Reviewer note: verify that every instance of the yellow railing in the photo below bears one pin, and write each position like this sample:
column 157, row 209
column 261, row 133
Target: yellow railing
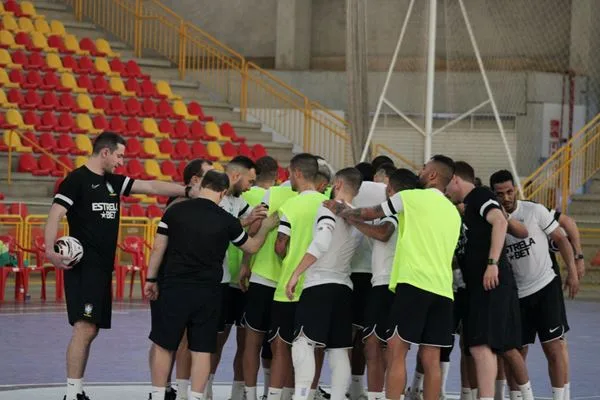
column 400, row 161
column 26, row 142
column 154, row 29
column 567, row 170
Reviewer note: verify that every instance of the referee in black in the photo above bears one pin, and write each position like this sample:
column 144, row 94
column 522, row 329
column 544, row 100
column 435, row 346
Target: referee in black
column 90, row 198
column 193, row 236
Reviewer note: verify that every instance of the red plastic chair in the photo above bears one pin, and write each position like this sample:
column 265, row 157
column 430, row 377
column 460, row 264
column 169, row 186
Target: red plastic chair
column 182, row 151
column 180, row 130
column 37, row 61
column 116, row 65
column 244, row 150
column 166, row 146
column 19, row 270
column 199, row 151
column 66, row 102
column 47, row 142
column 148, row 108
column 57, row 42
column 132, row 85
column 100, row 102
column 24, row 39
column 132, row 107
column 31, row 140
column 197, row 131
column 48, row 102
column 148, row 89
column 133, row 128
column 19, row 57
column 132, row 70
column 84, row 82
column 164, row 126
column 168, row 168
column 229, row 150
column 164, row 109
column 51, row 82
column 115, row 106
column 89, row 45
column 135, row 170
column 15, row 96
column 27, row 163
column 66, row 123
column 16, row 76
column 100, row 122
column 70, row 62
column 195, row 108
column 33, row 80
column 47, row 122
column 39, row 249
column 19, row 209
column 46, row 166
column 154, row 211
column 116, row 125
column 133, row 148
column 136, row 210
column 13, row 7
column 228, row 131
column 86, row 66
column 258, row 150
column 135, row 247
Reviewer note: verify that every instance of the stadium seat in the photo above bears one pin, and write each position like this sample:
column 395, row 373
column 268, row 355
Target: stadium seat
column 13, row 117
column 282, row 174
column 27, row 163
column 28, row 10
column 84, row 102
column 80, row 161
column 86, row 66
column 84, row 122
column 13, row 7
column 164, row 109
column 67, row 167
column 117, row 125
column 72, row 45
column 67, row 81
column 100, row 86
column 181, row 151
column 88, row 44
column 66, row 123
column 180, row 110
column 5, row 124
column 26, row 25
column 150, row 147
column 133, row 148
column 48, row 142
column 165, row 127
column 70, row 63
column 57, row 43
column 132, row 70
column 133, row 107
column 103, row 66
column 15, row 99
column 228, row 131
column 42, row 26
column 196, row 110
column 24, row 40
column 165, row 146
column 37, row 61
column 197, row 131
column 212, row 129
column 10, row 23
column 67, row 103
column 153, row 211
column 45, row 166
column 100, row 123
column 148, row 108
column 6, row 61
column 180, row 130
column 181, row 167
column 38, row 42
column 229, row 150
column 101, row 103
column 136, row 210
column 117, row 85
column 16, row 77
column 4, row 103
column 104, row 49
column 5, row 79
column 135, row 170
column 7, row 40
column 57, row 28
column 164, row 90
column 48, row 122
column 149, row 90
column 116, row 106
column 132, row 127
column 54, row 62
column 66, row 143
column 132, row 85
column 152, row 168
column 31, row 118
column 258, row 151
column 200, row 151
column 29, row 139
column 244, row 150
column 215, row 150
column 84, row 144
column 150, row 126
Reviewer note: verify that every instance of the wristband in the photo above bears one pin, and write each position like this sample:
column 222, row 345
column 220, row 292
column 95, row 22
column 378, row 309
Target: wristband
column 151, row 280
column 579, row 257
column 187, row 192
column 491, row 261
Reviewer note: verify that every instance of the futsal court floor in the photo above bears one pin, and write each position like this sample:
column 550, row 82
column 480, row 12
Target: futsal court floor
column 34, row 336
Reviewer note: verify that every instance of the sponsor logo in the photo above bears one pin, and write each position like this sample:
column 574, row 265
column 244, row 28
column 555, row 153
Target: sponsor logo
column 554, row 330
column 107, row 210
column 87, row 310
column 95, row 186
column 520, row 249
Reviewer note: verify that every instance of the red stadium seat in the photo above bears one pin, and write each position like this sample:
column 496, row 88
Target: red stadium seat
column 229, row 150
column 37, row 61
column 45, row 166
column 31, row 118
column 197, row 131
column 100, row 122
column 199, row 151
column 154, row 211
column 19, row 209
column 165, row 146
column 135, row 170
column 148, row 108
column 164, row 126
column 47, row 122
column 228, row 131
column 19, row 57
column 68, row 163
column 24, row 39
column 100, row 102
column 16, row 76
column 196, row 109
column 33, row 80
column 66, row 102
column 32, row 141
column 15, row 96
column 181, row 130
column 57, row 42
column 244, row 150
column 66, row 123
column 258, row 151
column 47, row 142
column 101, row 86
column 168, row 168
column 116, row 65
column 115, row 106
column 132, row 69
column 48, row 102
column 86, row 66
column 89, row 45
column 182, row 151
column 164, row 109
column 136, row 210
column 13, row 7
column 70, row 62
column 84, row 82
column 149, row 90
column 66, row 143
column 116, row 125
column 133, row 127
column 132, row 85
column 27, row 163
column 51, row 81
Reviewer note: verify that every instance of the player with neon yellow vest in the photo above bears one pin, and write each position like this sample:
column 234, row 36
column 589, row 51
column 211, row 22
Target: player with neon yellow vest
column 429, row 227
column 294, row 236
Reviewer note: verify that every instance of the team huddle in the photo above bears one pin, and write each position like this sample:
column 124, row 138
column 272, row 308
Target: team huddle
column 358, row 264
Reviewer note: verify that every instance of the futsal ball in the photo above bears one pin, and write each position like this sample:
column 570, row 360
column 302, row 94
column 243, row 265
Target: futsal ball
column 70, row 247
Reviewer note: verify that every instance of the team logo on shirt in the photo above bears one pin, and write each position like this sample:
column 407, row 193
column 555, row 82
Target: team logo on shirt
column 107, row 210
column 111, row 191
column 520, row 249
column 87, row 310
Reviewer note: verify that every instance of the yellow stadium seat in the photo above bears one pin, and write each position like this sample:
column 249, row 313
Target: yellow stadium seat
column 145, row 199
column 152, row 168
column 53, row 60
column 218, row 166
column 10, row 23
column 80, row 161
column 4, row 103
column 102, row 65
column 29, row 9
column 57, row 28
column 151, row 147
column 39, row 41
column 150, row 126
column 3, row 11
column 8, row 40
column 6, row 60
column 14, row 117
column 103, row 46
column 84, row 101
column 214, row 149
column 26, row 25
column 162, row 87
column 85, row 122
column 68, row 80
column 72, row 44
column 84, row 143
column 212, row 129
column 42, row 26
column 179, row 108
column 5, row 81
column 14, row 140
column 117, row 85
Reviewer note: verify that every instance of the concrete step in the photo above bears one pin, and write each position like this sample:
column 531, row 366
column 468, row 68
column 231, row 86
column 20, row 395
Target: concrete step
column 595, row 184
column 25, row 185
column 49, row 6
column 585, row 204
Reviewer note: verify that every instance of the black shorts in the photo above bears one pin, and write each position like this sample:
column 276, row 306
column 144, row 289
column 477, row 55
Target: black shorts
column 188, row 307
column 460, row 308
column 542, row 314
column 493, row 318
column 361, row 286
column 379, row 304
column 556, row 269
column 233, row 301
column 265, row 351
column 283, row 316
column 257, row 313
column 88, row 293
column 324, row 315
column 421, row 317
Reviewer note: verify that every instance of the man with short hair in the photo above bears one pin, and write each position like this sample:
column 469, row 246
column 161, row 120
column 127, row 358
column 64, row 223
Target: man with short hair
column 492, row 322
column 293, row 238
column 384, row 172
column 378, row 161
column 538, row 285
column 324, row 315
column 194, row 236
column 90, row 198
column 421, row 276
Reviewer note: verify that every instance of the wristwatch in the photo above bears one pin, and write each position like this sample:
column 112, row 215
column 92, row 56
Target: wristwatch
column 579, row 257
column 187, row 191
column 151, row 280
column 491, row 261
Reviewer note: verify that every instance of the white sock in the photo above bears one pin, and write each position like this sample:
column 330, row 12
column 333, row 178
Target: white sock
column 182, row 389
column 274, row 394
column 158, row 393
column 74, row 387
column 376, row 396
column 417, row 382
column 287, row 393
column 237, row 390
column 499, row 393
column 445, row 369
column 195, row 396
column 487, row 398
column 267, row 375
column 568, row 391
column 558, row 393
column 356, row 387
column 474, row 393
column 311, row 394
column 516, row 395
column 341, row 372
column 208, row 392
column 250, row 392
column 526, row 391
column 465, row 394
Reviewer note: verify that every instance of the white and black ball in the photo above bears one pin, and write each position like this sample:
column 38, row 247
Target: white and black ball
column 70, row 247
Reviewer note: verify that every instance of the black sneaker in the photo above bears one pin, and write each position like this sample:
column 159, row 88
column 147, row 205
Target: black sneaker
column 170, row 394
column 81, row 396
column 322, row 394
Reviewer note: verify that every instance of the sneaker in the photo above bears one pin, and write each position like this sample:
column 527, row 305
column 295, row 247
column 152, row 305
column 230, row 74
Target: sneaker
column 170, row 394
column 321, row 394
column 83, row 396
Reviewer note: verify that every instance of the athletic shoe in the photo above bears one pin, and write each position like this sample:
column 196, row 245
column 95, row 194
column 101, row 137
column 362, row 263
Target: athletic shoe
column 82, row 396
column 321, row 394
column 170, row 394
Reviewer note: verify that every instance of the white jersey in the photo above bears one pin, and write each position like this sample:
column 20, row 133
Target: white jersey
column 383, row 254
column 333, row 248
column 239, row 208
column 530, row 258
column 370, row 194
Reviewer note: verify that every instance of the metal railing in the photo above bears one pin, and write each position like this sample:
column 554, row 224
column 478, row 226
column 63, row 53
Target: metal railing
column 154, row 29
column 400, row 161
column 567, row 170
